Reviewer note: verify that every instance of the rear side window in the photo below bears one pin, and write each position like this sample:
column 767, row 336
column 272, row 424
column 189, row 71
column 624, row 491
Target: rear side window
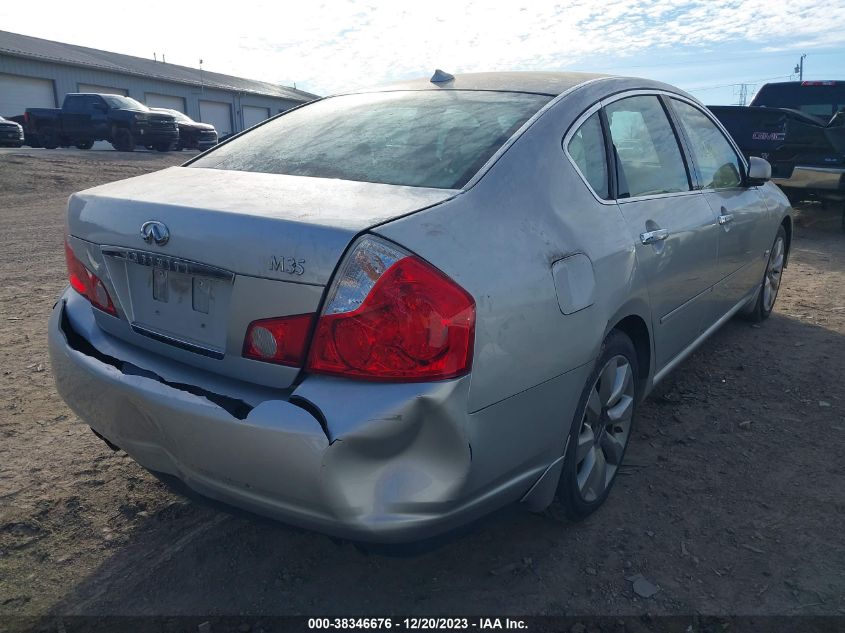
column 419, row 138
column 716, row 163
column 586, row 148
column 648, row 157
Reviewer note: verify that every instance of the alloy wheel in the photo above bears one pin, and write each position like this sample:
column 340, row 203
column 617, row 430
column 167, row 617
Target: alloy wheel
column 605, row 428
column 771, row 280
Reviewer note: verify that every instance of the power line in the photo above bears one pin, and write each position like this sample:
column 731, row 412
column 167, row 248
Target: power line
column 737, row 83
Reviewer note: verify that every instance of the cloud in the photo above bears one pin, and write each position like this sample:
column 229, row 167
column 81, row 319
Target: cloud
column 334, row 46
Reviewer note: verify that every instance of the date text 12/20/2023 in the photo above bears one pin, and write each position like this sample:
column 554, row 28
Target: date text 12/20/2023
column 417, row 623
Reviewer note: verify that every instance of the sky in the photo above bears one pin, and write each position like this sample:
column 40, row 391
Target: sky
column 708, row 47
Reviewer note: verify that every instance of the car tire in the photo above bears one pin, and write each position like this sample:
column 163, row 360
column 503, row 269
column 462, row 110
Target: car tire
column 123, row 140
column 49, row 138
column 85, row 145
column 602, row 428
column 163, row 147
column 770, row 284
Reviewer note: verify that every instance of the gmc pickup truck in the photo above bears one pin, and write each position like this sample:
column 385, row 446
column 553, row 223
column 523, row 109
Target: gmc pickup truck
column 799, row 127
column 85, row 118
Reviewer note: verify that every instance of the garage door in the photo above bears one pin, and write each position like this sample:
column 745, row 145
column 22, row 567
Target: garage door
column 218, row 114
column 19, row 93
column 254, row 115
column 164, row 101
column 103, row 90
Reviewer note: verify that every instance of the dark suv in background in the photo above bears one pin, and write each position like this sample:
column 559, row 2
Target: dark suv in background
column 192, row 134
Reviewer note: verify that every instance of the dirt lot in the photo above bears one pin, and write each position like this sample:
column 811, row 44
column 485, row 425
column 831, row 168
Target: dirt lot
column 732, row 500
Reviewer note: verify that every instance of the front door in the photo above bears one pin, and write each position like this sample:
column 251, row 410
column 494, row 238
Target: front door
column 719, row 174
column 673, row 227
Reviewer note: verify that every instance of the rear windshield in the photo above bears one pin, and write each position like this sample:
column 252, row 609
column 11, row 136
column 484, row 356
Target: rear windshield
column 423, row 139
column 818, row 100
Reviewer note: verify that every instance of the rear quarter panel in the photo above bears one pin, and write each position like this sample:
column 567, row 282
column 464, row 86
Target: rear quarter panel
column 500, row 239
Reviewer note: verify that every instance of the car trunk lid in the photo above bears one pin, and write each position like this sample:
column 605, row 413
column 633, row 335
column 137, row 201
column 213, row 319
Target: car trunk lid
column 192, row 256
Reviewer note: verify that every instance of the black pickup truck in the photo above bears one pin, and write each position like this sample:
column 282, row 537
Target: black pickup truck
column 799, row 127
column 86, row 117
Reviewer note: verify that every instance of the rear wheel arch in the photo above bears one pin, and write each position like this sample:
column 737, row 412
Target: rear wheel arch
column 598, row 437
column 636, row 328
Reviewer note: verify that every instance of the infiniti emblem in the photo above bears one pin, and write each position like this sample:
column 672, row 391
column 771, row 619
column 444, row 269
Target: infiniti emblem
column 155, row 231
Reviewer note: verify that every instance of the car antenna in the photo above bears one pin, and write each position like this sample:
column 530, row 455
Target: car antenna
column 441, row 76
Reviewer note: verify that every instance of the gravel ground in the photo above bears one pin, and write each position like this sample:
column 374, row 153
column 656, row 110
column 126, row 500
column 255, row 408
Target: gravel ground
column 732, row 499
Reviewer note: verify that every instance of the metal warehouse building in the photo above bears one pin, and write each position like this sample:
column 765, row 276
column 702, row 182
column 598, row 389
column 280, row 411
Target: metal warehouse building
column 36, row 73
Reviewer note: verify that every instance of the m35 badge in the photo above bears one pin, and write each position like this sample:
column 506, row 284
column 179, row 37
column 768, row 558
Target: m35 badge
column 289, row 265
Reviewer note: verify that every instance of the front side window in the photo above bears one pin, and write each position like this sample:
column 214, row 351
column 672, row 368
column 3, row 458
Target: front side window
column 716, row 163
column 586, row 147
column 432, row 138
column 649, row 160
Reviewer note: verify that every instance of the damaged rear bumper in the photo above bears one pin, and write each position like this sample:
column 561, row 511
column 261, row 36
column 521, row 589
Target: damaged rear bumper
column 370, row 462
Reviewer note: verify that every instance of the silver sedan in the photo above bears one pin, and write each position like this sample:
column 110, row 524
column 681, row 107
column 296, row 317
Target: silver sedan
column 384, row 314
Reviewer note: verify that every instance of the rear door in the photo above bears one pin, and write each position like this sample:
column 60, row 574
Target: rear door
column 720, row 174
column 672, row 226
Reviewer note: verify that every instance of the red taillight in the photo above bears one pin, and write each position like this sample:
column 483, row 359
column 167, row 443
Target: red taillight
column 394, row 317
column 280, row 341
column 77, row 274
column 87, row 283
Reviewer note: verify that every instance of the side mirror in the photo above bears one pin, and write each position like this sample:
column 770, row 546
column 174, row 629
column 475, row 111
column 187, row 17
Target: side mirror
column 759, row 171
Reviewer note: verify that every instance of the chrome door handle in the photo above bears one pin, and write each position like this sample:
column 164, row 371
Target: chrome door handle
column 651, row 237
column 726, row 218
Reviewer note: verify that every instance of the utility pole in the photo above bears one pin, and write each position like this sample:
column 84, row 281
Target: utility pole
column 202, row 87
column 799, row 67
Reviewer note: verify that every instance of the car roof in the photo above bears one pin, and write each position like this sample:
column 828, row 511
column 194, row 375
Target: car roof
column 549, row 83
